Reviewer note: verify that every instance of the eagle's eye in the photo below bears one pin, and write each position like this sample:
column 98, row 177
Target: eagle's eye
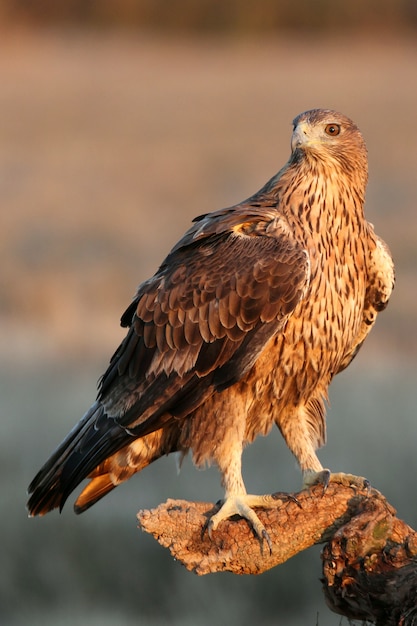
column 332, row 129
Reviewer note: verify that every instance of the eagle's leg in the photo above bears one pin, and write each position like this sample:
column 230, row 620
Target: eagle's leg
column 302, row 440
column 236, row 500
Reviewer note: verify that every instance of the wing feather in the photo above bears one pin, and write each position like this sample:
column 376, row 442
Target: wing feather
column 223, row 291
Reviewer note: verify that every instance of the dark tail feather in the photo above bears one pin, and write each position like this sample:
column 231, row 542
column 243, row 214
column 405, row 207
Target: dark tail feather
column 93, row 439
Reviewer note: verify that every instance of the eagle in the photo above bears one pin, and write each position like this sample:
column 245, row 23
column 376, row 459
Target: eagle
column 243, row 326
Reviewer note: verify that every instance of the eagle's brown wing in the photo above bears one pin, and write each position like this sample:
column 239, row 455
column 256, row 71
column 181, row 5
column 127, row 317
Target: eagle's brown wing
column 227, row 286
column 196, row 327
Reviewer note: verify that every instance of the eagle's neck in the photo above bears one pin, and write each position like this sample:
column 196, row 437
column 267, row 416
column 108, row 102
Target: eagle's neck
column 321, row 197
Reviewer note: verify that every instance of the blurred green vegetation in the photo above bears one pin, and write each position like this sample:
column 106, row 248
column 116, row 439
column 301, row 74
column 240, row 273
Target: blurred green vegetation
column 232, row 16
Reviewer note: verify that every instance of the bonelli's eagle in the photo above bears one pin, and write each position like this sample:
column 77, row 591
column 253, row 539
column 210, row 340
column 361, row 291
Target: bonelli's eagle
column 243, row 326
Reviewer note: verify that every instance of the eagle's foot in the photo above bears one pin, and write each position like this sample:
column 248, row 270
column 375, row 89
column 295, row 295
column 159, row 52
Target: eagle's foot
column 241, row 505
column 350, row 480
column 325, row 477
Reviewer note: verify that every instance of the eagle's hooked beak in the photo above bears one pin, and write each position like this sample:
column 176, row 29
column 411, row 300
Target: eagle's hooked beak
column 299, row 137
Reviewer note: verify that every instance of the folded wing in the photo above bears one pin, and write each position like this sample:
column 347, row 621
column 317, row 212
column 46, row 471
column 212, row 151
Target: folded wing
column 195, row 328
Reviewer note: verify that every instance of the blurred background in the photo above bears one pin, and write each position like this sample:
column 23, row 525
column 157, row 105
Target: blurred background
column 119, row 122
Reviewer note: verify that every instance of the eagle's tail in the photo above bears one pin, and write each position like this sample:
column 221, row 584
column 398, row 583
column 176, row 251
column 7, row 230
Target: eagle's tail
column 89, row 443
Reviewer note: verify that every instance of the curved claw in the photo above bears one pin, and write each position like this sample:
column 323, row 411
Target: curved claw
column 267, row 538
column 317, row 478
column 208, row 526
